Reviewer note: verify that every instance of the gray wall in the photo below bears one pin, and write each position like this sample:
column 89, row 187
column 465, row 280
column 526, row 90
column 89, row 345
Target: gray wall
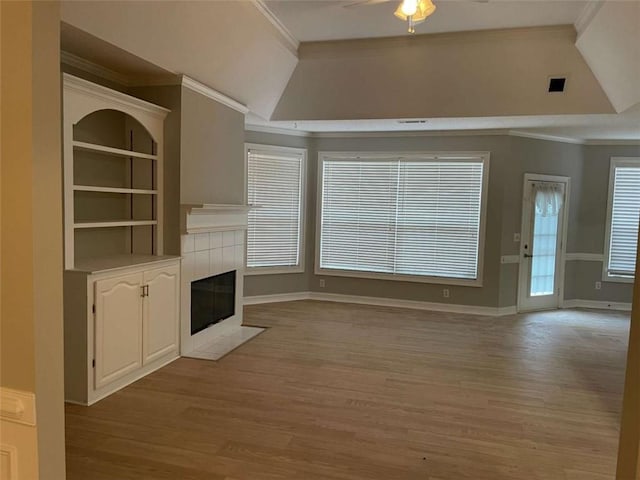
column 212, row 151
column 591, row 226
column 511, row 158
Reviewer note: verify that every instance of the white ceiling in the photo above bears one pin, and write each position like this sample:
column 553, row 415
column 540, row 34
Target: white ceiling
column 312, row 20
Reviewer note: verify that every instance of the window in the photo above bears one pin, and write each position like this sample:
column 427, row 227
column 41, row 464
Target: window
column 275, row 186
column 622, row 219
column 409, row 217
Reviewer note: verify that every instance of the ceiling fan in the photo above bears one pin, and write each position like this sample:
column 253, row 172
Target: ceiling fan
column 411, row 11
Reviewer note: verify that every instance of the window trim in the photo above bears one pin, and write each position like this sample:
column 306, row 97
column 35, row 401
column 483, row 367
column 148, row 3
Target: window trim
column 300, row 268
column 417, row 155
column 613, row 164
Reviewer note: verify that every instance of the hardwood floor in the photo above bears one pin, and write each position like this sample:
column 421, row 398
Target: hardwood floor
column 345, row 392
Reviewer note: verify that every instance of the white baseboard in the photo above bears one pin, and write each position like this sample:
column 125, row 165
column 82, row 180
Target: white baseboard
column 382, row 302
column 418, row 305
column 278, row 297
column 597, row 304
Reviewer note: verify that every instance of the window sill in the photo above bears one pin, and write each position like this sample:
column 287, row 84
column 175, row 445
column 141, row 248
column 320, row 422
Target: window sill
column 251, row 271
column 616, row 279
column 398, row 277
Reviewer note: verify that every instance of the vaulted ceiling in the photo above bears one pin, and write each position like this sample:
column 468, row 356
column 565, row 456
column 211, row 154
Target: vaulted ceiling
column 250, row 51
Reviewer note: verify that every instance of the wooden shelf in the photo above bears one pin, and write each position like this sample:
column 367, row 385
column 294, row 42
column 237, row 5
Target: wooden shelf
column 114, row 223
column 90, row 188
column 92, row 147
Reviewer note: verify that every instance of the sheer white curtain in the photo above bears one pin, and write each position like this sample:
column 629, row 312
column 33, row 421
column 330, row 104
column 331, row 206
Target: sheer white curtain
column 549, row 198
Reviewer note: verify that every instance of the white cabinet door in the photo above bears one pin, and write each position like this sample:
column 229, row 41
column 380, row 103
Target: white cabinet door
column 161, row 312
column 118, row 326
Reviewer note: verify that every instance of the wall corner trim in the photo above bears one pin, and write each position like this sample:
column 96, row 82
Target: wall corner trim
column 209, row 92
column 17, row 406
column 275, row 21
column 587, row 14
column 382, row 302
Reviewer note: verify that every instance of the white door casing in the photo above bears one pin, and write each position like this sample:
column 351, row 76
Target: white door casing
column 527, row 301
column 118, row 327
column 161, row 309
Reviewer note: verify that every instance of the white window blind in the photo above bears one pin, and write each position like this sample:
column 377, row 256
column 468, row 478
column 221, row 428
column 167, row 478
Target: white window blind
column 625, row 214
column 274, row 187
column 416, row 217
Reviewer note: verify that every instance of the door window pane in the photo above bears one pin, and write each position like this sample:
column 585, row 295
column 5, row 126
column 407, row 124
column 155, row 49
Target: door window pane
column 543, row 267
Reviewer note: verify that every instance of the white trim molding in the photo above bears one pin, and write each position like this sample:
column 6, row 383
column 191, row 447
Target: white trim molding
column 249, row 127
column 382, row 302
column 597, row 304
column 541, row 136
column 209, row 92
column 276, row 298
column 412, row 133
column 613, row 142
column 292, row 41
column 17, row 406
column 280, row 130
column 584, row 257
column 507, row 259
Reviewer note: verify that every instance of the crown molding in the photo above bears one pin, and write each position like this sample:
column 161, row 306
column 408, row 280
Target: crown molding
column 93, row 68
column 277, row 130
column 90, row 89
column 542, row 136
column 412, row 133
column 209, row 92
column 438, row 133
column 291, row 41
column 586, row 15
column 613, row 142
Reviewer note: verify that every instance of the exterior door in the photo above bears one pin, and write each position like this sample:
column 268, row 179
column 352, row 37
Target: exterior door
column 118, row 327
column 541, row 247
column 161, row 312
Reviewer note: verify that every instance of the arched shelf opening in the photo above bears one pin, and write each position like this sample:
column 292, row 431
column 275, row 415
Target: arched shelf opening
column 114, row 129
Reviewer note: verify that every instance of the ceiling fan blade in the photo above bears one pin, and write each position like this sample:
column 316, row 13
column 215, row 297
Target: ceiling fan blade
column 364, row 3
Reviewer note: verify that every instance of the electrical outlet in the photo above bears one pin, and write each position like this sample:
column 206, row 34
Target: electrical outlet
column 516, row 237
column 598, row 285
column 322, row 283
column 445, row 293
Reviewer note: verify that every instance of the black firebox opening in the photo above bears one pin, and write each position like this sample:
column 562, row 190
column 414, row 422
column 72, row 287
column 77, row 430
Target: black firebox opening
column 212, row 300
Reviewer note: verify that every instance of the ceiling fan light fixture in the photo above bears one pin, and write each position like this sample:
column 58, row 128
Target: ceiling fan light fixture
column 421, row 10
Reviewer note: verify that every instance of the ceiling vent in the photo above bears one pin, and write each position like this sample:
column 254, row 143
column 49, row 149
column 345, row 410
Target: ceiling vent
column 557, row 84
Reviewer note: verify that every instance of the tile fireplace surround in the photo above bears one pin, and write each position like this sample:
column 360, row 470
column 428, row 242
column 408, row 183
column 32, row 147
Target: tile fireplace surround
column 212, row 243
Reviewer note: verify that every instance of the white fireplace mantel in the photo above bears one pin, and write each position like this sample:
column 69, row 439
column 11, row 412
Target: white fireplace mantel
column 209, row 217
column 212, row 239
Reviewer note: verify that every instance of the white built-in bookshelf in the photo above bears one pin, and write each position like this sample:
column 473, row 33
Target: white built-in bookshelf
column 112, row 174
